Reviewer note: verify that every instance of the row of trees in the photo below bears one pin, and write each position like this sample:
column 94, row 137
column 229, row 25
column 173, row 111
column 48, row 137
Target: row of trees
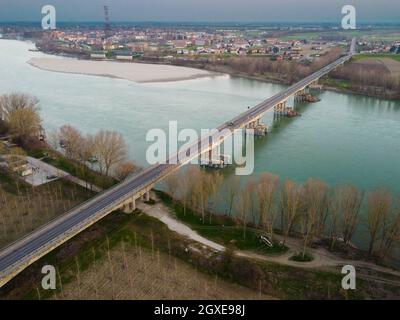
column 365, row 76
column 291, row 71
column 311, row 210
column 106, row 150
column 20, row 118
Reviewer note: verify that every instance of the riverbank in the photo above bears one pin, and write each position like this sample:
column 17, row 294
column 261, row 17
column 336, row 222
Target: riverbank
column 329, row 84
column 195, row 70
column 136, row 72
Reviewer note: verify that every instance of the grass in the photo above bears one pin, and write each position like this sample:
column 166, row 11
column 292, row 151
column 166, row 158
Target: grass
column 25, row 208
column 338, row 83
column 300, row 258
column 77, row 170
column 142, row 231
column 223, row 229
column 363, row 56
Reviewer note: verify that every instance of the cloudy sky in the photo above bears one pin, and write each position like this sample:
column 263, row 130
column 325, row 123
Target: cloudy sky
column 202, row 10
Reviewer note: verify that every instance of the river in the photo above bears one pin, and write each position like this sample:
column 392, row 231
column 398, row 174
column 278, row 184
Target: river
column 342, row 139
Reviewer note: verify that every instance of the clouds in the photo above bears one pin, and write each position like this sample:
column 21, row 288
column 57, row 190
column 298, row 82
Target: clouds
column 202, row 10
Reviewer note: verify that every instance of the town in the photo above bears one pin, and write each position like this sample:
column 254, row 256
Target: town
column 169, row 43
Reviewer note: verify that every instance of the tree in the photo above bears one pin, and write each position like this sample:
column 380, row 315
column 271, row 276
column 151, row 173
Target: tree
column 172, row 182
column 186, row 186
column 232, row 188
column 266, row 190
column 77, row 147
column 316, row 203
column 390, row 232
column 25, row 124
column 252, row 194
column 244, row 204
column 72, row 141
column 124, row 169
column 350, row 200
column 334, row 215
column 379, row 207
column 204, row 186
column 110, row 150
column 15, row 101
column 290, row 206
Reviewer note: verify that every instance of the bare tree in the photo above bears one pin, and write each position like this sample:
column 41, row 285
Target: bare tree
column 379, row 207
column 390, row 233
column 15, row 101
column 72, row 141
column 334, row 216
column 231, row 191
column 290, row 206
column 204, row 186
column 316, row 203
column 266, row 191
column 124, row 169
column 173, row 182
column 186, row 186
column 251, row 187
column 350, row 200
column 110, row 150
column 244, row 203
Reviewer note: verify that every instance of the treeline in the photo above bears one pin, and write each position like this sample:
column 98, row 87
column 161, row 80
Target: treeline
column 105, row 151
column 364, row 77
column 289, row 71
column 312, row 211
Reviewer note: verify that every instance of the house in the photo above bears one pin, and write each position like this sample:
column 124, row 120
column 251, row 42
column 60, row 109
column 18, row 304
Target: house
column 179, row 44
column 124, row 55
column 98, row 55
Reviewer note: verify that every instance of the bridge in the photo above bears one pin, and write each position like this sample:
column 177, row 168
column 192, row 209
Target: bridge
column 25, row 251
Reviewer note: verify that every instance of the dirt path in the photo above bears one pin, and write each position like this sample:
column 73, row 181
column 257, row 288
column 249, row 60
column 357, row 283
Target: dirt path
column 163, row 213
column 323, row 259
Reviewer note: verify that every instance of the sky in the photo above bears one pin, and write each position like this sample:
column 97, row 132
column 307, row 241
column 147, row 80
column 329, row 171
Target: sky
column 202, row 10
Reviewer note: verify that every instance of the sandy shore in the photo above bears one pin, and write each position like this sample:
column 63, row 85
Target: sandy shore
column 136, row 72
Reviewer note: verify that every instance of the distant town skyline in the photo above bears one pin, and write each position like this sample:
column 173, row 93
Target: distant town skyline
column 205, row 10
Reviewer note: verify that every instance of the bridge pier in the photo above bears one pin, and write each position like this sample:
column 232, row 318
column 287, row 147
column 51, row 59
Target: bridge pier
column 146, row 196
column 279, row 109
column 129, row 206
column 316, row 86
column 214, row 158
column 259, row 128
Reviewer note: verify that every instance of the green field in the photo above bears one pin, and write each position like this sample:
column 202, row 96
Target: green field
column 367, row 35
column 377, row 55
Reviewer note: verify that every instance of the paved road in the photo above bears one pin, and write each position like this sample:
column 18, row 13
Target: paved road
column 22, row 253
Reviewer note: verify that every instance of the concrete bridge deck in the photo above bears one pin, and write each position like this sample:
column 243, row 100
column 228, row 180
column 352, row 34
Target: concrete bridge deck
column 22, row 253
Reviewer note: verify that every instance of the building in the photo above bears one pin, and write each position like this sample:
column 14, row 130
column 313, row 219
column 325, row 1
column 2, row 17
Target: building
column 124, row 55
column 98, row 55
column 179, row 44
